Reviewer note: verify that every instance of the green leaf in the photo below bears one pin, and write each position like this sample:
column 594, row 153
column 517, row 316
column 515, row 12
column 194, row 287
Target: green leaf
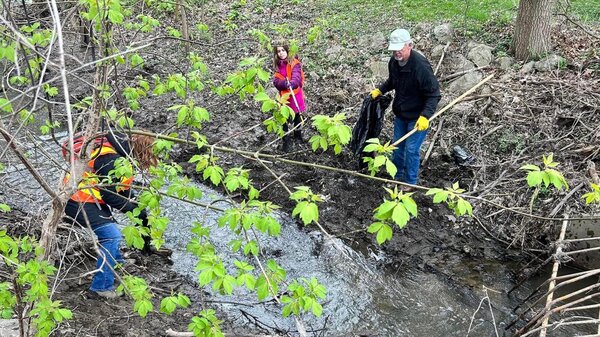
column 440, row 196
column 391, row 168
column 205, row 277
column 375, row 227
column 310, row 213
column 136, row 60
column 143, row 307
column 529, row 167
column 133, row 237
column 400, row 216
column 384, row 234
column 534, row 178
column 410, row 205
column 168, row 305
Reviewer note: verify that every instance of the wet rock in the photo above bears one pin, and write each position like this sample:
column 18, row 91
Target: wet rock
column 443, row 33
column 550, row 62
column 481, row 55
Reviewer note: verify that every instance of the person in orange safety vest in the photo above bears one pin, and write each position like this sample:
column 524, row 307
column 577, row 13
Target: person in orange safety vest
column 93, row 203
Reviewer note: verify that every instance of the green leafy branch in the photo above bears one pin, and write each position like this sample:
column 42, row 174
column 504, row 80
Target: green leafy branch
column 190, row 114
column 303, row 297
column 247, row 215
column 306, row 207
column 593, row 196
column 548, row 176
column 206, row 324
column 170, row 303
column 207, row 164
column 381, row 158
column 140, row 292
column 398, row 210
column 332, row 132
column 279, row 109
column 269, row 284
column 26, row 296
column 247, row 81
column 451, row 196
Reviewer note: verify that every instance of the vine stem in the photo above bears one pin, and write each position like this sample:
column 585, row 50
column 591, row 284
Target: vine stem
column 348, row 172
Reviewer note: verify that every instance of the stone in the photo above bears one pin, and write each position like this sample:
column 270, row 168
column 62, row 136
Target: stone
column 458, row 62
column 437, row 51
column 375, row 41
column 465, row 82
column 505, row 62
column 527, row 67
column 9, row 328
column 379, row 69
column 443, row 33
column 334, row 51
column 481, row 55
column 550, row 62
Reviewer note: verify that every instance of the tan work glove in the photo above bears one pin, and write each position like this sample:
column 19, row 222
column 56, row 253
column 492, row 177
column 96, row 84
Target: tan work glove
column 375, row 93
column 422, row 123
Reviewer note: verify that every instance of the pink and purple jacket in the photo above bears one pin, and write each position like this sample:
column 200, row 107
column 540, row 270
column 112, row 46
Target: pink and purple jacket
column 295, row 81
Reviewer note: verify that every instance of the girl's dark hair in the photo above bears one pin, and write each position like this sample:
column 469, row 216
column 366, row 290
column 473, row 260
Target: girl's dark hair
column 279, row 43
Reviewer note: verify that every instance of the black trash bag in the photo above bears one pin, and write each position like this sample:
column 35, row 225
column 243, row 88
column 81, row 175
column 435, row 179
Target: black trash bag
column 370, row 122
column 461, row 156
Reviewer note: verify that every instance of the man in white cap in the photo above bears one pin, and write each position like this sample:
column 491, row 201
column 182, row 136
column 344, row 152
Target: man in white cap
column 417, row 93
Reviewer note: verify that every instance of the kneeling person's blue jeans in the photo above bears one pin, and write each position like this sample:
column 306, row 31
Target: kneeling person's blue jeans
column 408, row 154
column 109, row 237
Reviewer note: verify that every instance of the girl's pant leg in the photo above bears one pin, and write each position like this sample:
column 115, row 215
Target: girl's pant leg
column 109, row 238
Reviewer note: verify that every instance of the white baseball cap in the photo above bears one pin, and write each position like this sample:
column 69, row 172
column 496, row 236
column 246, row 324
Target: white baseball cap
column 398, row 39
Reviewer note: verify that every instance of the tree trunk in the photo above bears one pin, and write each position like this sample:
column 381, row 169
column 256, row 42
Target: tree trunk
column 533, row 28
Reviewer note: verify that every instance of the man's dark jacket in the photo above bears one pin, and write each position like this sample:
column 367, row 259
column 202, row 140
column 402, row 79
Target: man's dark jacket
column 417, row 91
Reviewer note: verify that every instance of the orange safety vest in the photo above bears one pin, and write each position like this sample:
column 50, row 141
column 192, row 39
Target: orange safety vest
column 288, row 71
column 86, row 191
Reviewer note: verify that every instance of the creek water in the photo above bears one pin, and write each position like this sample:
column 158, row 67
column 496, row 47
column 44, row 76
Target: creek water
column 362, row 300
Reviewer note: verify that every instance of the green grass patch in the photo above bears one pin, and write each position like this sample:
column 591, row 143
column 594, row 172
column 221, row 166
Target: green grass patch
column 352, row 16
column 586, row 10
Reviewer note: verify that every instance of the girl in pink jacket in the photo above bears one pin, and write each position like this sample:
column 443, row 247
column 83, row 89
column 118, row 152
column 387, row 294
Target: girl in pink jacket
column 289, row 77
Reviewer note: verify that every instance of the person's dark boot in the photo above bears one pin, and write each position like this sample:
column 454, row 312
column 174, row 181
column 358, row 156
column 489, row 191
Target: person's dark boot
column 298, row 136
column 150, row 249
column 287, row 144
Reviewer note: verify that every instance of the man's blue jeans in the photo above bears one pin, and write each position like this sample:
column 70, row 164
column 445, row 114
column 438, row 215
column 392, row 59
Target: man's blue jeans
column 408, row 154
column 109, row 237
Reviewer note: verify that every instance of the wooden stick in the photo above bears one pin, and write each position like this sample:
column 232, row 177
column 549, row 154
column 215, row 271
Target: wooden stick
column 460, row 73
column 447, row 107
column 441, row 58
column 561, row 237
column 593, row 173
column 564, row 200
column 435, row 136
column 172, row 333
